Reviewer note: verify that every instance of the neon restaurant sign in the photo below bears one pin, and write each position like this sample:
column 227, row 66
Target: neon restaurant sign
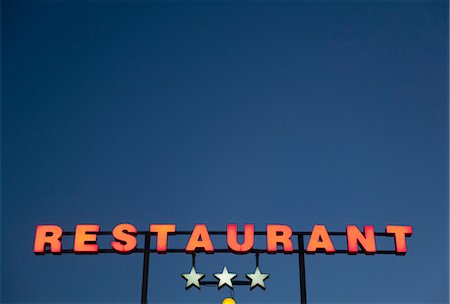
column 278, row 239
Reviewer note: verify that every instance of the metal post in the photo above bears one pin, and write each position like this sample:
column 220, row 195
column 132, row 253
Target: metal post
column 301, row 264
column 145, row 269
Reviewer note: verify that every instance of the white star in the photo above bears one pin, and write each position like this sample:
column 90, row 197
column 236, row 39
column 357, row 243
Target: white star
column 225, row 278
column 257, row 278
column 193, row 278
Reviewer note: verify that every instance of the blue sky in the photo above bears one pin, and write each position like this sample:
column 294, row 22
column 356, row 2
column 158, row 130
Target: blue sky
column 299, row 113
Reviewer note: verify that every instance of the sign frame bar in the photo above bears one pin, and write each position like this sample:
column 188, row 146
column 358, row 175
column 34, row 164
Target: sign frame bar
column 300, row 251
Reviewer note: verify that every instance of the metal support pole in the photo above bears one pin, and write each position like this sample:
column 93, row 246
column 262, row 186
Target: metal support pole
column 301, row 264
column 145, row 269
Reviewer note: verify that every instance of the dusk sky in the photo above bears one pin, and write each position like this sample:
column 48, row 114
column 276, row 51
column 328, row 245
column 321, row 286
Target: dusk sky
column 290, row 112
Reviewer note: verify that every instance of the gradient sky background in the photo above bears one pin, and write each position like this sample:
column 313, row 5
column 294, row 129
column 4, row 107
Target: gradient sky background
column 240, row 112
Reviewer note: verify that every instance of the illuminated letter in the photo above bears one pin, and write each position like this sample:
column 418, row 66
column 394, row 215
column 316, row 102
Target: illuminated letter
column 161, row 236
column 320, row 239
column 85, row 238
column 400, row 234
column 279, row 234
column 200, row 239
column 232, row 238
column 125, row 236
column 355, row 237
column 48, row 235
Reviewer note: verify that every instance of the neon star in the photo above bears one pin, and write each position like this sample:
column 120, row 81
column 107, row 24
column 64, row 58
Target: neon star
column 257, row 278
column 193, row 278
column 225, row 278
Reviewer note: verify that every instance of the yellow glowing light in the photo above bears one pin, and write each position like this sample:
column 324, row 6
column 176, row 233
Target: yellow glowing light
column 228, row 301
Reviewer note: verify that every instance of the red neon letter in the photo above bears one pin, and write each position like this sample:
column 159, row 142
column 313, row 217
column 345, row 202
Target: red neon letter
column 232, row 238
column 200, row 239
column 320, row 239
column 48, row 235
column 279, row 234
column 161, row 236
column 85, row 238
column 125, row 236
column 400, row 234
column 355, row 237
